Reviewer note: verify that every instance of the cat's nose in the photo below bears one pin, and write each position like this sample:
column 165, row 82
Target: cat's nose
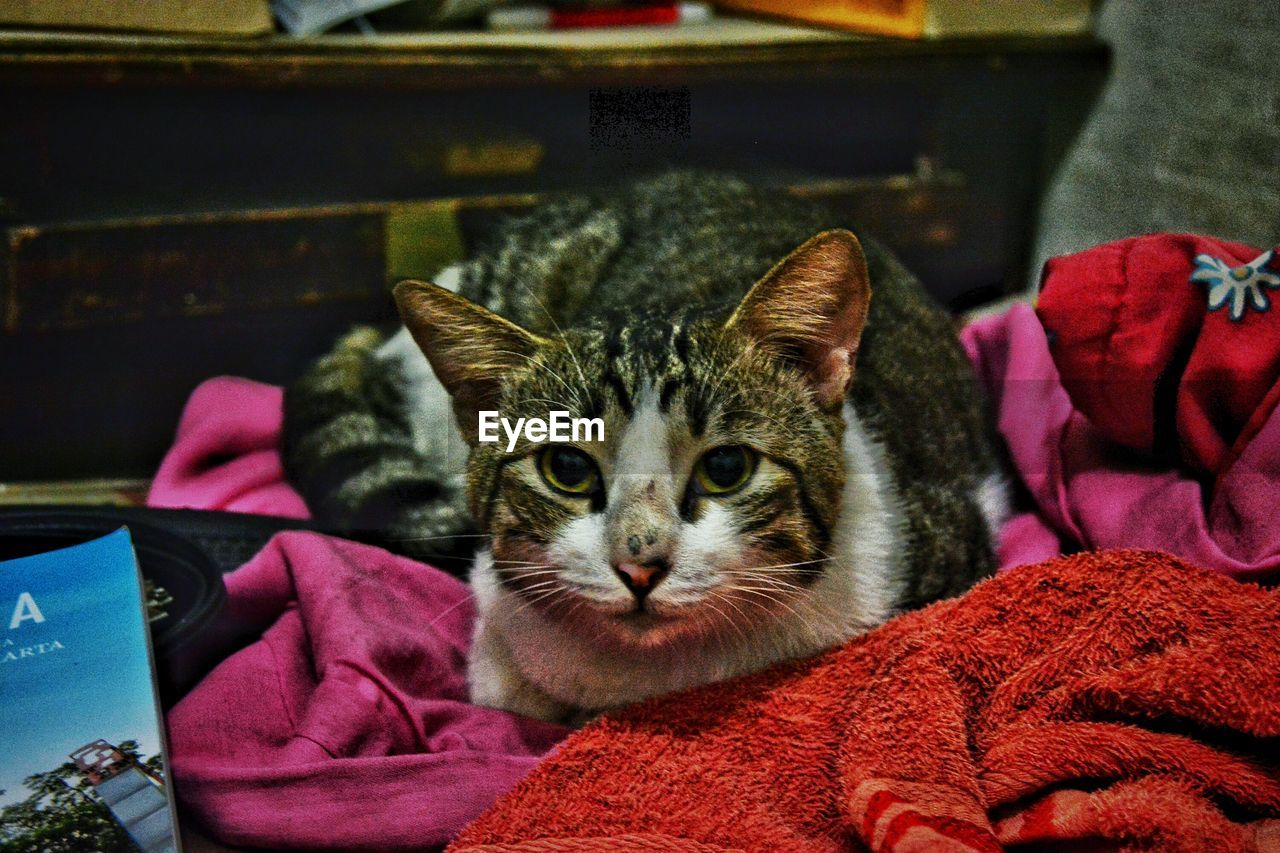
column 641, row 578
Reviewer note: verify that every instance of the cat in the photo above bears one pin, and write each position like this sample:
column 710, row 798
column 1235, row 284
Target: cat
column 794, row 446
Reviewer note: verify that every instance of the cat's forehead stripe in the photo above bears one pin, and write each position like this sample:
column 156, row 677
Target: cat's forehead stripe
column 615, row 381
column 650, row 353
column 669, row 388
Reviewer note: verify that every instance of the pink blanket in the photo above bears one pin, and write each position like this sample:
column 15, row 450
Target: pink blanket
column 1090, row 494
column 226, row 453
column 346, row 726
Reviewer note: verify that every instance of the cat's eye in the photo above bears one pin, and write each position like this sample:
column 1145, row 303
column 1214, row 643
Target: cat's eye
column 568, row 470
column 722, row 470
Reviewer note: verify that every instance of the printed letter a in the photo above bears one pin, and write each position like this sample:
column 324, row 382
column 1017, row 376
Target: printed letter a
column 25, row 609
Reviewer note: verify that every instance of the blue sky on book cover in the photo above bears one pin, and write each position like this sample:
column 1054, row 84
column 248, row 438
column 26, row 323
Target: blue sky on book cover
column 75, row 667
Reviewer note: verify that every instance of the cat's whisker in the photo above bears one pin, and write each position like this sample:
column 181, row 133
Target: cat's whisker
column 773, row 583
column 760, row 604
column 764, row 607
column 723, row 375
column 442, row 536
column 542, row 588
column 550, row 403
column 534, row 574
column 758, row 569
column 538, row 585
column 764, row 572
column 768, row 592
column 814, row 634
column 563, row 340
column 775, row 600
column 543, row 595
column 539, row 364
column 779, row 587
column 577, row 365
column 539, row 581
column 787, row 429
column 470, row 596
column 796, row 563
column 720, row 596
column 727, row 620
column 573, row 608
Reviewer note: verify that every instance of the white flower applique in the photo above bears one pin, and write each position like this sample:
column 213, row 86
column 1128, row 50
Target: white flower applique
column 1243, row 286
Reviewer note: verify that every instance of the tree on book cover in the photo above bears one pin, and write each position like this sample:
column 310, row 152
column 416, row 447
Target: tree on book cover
column 82, row 765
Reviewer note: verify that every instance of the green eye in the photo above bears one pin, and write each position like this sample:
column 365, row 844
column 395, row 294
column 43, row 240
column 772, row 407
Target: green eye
column 724, row 469
column 568, row 470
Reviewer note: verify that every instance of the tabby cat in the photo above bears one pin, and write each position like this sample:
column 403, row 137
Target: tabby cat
column 787, row 461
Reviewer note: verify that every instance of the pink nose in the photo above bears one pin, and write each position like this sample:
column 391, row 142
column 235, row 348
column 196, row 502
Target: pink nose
column 641, row 578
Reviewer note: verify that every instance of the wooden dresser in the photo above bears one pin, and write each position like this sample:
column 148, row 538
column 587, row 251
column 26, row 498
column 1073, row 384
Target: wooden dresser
column 175, row 209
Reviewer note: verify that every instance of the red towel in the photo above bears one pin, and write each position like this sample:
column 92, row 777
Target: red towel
column 1114, row 698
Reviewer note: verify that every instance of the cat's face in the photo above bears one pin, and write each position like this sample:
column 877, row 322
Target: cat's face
column 708, row 504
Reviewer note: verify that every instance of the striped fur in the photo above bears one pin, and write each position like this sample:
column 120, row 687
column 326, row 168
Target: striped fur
column 637, row 307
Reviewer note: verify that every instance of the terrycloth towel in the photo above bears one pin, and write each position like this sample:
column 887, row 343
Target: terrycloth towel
column 346, row 726
column 1091, row 493
column 1118, row 698
column 226, row 453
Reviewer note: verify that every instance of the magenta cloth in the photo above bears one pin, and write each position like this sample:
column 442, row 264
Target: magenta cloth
column 1090, row 494
column 226, row 454
column 346, row 726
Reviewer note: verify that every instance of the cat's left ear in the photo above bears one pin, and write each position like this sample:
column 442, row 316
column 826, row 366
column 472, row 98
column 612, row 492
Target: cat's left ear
column 810, row 310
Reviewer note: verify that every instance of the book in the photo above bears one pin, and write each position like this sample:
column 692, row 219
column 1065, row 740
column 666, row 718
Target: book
column 83, row 761
column 198, row 17
column 931, row 18
column 312, row 17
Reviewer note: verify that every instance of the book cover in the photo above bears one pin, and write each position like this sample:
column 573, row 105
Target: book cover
column 932, row 18
column 82, row 765
column 204, row 17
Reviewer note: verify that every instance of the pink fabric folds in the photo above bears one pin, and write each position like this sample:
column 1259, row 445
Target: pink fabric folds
column 226, row 453
column 1090, row 493
column 346, row 725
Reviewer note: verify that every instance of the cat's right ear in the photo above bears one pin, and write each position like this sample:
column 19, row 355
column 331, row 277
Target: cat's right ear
column 471, row 349
column 810, row 310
